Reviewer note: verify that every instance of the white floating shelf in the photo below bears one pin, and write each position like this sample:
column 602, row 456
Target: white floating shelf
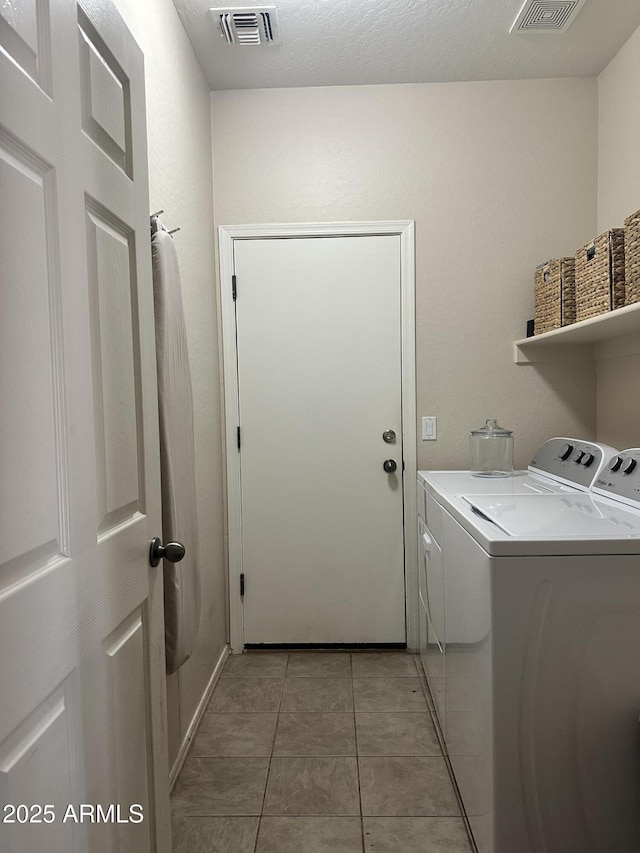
column 577, row 340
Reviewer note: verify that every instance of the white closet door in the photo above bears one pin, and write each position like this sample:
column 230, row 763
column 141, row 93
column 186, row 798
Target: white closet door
column 81, row 639
column 319, row 372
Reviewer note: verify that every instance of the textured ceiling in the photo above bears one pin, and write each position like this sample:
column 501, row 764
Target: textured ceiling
column 345, row 42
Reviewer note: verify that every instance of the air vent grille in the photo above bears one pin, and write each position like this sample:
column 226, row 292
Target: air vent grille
column 547, row 16
column 248, row 25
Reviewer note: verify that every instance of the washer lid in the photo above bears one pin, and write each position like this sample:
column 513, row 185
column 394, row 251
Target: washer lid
column 464, row 483
column 554, row 517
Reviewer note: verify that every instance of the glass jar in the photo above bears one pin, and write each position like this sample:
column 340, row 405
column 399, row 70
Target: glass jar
column 491, row 451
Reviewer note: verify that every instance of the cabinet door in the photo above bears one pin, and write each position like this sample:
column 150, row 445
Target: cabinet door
column 431, row 609
column 468, row 685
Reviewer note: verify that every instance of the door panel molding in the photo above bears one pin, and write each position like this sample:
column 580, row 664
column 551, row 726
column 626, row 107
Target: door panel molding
column 227, row 235
column 36, row 768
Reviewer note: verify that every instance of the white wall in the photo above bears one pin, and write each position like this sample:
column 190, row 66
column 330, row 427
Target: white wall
column 499, row 177
column 180, row 175
column 618, row 395
column 618, row 136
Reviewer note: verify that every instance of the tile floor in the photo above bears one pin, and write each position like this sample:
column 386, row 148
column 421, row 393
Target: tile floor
column 317, row 752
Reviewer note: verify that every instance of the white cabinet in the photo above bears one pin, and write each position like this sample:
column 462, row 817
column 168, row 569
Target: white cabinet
column 431, row 616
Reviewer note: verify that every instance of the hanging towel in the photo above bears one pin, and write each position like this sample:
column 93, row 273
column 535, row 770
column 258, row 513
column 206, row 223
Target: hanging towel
column 177, row 455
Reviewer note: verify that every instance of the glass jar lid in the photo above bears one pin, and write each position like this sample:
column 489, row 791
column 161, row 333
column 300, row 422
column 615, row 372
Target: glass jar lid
column 491, row 429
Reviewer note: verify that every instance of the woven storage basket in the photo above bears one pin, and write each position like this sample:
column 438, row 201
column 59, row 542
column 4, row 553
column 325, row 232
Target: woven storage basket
column 632, row 258
column 555, row 295
column 600, row 275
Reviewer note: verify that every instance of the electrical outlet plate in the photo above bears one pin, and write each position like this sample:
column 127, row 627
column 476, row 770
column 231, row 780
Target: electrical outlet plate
column 430, row 429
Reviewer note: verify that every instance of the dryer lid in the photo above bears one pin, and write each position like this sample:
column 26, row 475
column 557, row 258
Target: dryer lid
column 555, row 516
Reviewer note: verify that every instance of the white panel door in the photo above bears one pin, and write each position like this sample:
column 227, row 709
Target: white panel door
column 81, row 640
column 318, row 324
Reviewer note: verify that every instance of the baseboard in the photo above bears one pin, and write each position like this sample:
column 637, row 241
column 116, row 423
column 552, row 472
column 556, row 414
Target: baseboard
column 195, row 721
column 315, row 647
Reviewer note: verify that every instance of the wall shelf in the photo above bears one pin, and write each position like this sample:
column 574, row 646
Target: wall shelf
column 587, row 339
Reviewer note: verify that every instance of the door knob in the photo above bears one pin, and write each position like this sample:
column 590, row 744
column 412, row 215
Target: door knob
column 388, row 436
column 172, row 551
column 389, row 466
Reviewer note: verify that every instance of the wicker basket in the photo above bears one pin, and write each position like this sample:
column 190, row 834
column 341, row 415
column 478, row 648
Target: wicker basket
column 632, row 258
column 600, row 275
column 555, row 295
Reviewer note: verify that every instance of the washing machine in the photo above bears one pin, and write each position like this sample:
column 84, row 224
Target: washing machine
column 532, row 649
column 559, row 466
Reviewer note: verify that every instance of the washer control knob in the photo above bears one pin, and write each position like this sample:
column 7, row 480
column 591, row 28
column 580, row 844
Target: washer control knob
column 628, row 466
column 587, row 459
column 579, row 456
column 565, row 451
column 616, row 463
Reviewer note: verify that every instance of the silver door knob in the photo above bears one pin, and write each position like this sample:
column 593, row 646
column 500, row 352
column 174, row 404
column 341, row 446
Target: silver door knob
column 389, row 466
column 172, row 551
column 388, row 436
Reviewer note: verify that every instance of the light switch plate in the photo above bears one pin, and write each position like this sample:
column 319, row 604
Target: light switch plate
column 429, row 429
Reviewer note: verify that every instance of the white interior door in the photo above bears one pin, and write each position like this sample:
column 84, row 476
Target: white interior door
column 81, row 643
column 318, row 323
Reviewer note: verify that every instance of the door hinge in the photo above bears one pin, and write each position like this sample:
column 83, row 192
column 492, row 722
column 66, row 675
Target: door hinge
column 242, row 584
column 238, row 437
column 234, row 287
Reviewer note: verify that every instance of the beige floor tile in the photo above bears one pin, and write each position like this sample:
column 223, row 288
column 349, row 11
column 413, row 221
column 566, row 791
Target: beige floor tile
column 310, row 835
column 246, row 695
column 396, row 733
column 312, row 786
column 235, row 735
column 315, row 734
column 255, row 665
column 220, row 786
column 317, row 694
column 313, row 664
column 416, row 787
column 413, row 834
column 388, row 694
column 383, row 664
column 214, row 834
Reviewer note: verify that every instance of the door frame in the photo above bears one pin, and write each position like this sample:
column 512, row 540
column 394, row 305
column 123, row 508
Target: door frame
column 227, row 235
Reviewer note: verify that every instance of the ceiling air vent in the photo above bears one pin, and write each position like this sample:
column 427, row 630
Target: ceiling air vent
column 547, row 16
column 248, row 25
